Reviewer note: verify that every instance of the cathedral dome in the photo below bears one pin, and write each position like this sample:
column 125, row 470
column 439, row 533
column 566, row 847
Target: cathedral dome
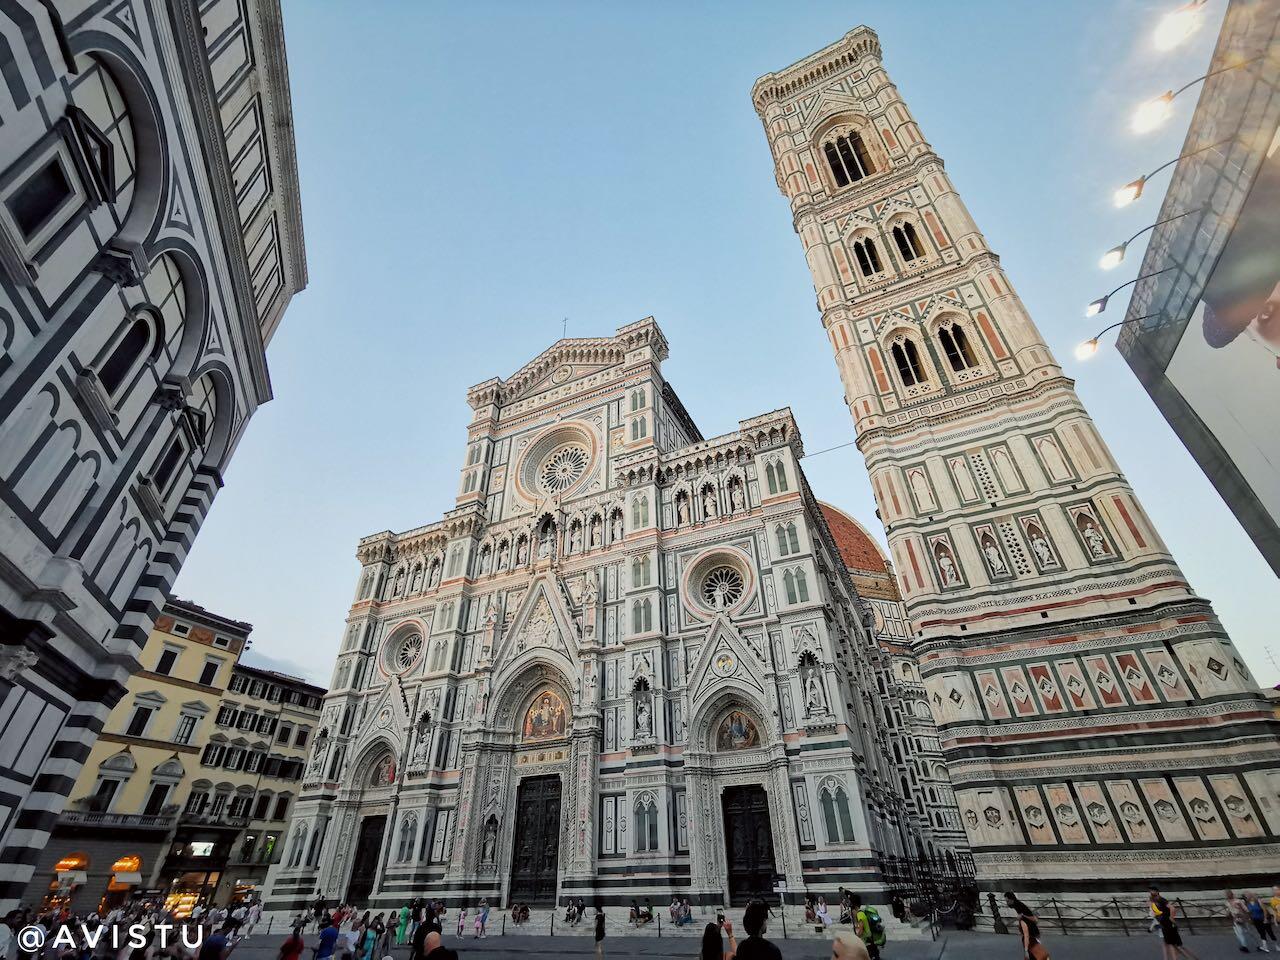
column 860, row 553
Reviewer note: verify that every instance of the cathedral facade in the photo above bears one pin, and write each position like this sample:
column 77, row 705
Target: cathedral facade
column 1099, row 726
column 630, row 662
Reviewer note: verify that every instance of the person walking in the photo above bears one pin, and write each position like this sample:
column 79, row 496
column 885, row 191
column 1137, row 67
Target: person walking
column 713, row 943
column 868, row 925
column 1261, row 921
column 755, row 920
column 1162, row 911
column 1241, row 925
column 402, row 928
column 599, row 932
column 1028, row 928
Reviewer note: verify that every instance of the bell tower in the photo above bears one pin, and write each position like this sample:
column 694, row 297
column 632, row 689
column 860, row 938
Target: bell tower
column 1085, row 695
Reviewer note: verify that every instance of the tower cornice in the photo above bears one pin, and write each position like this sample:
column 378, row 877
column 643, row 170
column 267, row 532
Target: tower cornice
column 859, row 43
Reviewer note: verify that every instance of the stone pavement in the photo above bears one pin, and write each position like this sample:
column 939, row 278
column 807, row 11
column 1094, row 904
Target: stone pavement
column 951, row 945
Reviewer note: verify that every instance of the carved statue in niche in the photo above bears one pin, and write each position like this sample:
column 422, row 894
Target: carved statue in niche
column 522, row 552
column 682, row 509
column 815, row 699
column 489, row 848
column 575, row 538
column 423, row 732
column 318, row 754
column 992, row 553
column 644, row 713
column 616, row 532
column 416, row 585
column 435, row 573
column 595, row 531
column 735, row 497
column 486, row 555
column 504, row 554
column 546, row 542
column 399, row 582
column 709, row 503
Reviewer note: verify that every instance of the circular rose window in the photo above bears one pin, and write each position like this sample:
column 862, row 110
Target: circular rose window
column 403, row 653
column 563, row 468
column 721, row 587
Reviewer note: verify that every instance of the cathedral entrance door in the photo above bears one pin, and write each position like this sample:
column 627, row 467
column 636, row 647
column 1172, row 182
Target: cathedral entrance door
column 364, row 866
column 537, row 849
column 748, row 840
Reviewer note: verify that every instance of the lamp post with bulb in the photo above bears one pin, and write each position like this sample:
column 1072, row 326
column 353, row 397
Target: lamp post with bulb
column 1133, row 190
column 1097, row 306
column 1115, row 256
column 1087, row 348
column 1151, row 113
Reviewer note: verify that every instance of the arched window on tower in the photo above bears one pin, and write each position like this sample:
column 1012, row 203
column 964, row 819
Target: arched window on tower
column 868, row 257
column 408, row 833
column 956, row 346
column 835, row 812
column 640, row 512
column 906, row 356
column 640, row 571
column 908, row 241
column 299, row 845
column 788, row 541
column 127, row 354
column 848, row 158
column 646, row 818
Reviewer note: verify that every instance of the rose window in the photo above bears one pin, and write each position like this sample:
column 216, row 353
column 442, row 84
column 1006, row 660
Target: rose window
column 563, row 468
column 722, row 587
column 408, row 652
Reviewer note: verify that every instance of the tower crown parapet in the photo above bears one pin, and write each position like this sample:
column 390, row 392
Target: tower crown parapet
column 858, row 43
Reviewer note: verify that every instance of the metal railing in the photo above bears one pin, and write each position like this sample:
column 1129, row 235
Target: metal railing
column 1130, row 916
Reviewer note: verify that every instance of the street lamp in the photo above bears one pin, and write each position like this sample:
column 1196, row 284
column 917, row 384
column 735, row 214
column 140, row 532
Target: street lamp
column 1133, row 190
column 1115, row 256
column 1088, row 348
column 1151, row 113
column 1177, row 25
column 1097, row 306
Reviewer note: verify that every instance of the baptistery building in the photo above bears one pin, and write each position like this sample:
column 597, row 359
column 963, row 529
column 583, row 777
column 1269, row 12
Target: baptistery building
column 630, row 662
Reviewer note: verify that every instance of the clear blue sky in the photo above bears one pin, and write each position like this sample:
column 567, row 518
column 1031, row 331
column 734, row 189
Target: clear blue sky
column 472, row 173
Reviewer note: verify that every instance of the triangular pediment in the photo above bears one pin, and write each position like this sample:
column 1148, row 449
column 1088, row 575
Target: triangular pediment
column 941, row 303
column 829, row 103
column 725, row 658
column 543, row 621
column 387, row 719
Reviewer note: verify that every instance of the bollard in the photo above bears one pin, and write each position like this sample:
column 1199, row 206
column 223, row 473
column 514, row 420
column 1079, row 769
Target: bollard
column 658, row 917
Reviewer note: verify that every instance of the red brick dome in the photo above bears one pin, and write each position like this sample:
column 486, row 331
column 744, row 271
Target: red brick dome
column 859, row 552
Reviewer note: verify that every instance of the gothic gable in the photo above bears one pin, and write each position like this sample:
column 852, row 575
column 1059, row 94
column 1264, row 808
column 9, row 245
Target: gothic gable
column 725, row 657
column 542, row 622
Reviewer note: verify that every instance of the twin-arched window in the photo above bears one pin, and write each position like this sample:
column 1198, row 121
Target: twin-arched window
column 639, row 512
column 908, row 241
column 788, row 541
column 906, row 357
column 776, row 477
column 641, row 571
column 835, row 813
column 641, row 616
column 408, row 833
column 646, row 824
column 956, row 347
column 868, row 257
column 848, row 158
column 797, row 585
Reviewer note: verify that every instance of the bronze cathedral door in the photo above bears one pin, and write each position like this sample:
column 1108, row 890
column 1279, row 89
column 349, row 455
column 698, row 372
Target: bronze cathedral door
column 748, row 841
column 364, row 866
column 536, row 854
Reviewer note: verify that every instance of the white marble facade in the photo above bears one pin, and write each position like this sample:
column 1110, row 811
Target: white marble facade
column 623, row 643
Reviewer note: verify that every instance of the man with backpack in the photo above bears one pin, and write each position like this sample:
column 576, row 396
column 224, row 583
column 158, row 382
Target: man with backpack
column 868, row 926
